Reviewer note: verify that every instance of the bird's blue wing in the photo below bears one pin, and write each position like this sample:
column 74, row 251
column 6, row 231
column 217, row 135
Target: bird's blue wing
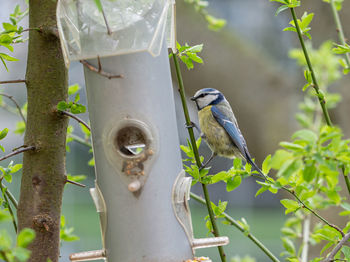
column 231, row 129
column 235, row 134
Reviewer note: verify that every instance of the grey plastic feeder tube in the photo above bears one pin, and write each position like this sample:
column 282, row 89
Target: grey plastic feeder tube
column 141, row 226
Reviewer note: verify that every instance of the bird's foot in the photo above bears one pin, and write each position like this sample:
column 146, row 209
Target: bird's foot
column 192, row 125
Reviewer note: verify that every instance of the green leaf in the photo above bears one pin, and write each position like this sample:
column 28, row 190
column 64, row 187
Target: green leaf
column 4, row 216
column 280, row 1
column 341, row 49
column 98, row 5
column 326, row 247
column 288, row 245
column 291, row 146
column 261, row 190
column 9, row 27
column 290, row 167
column 3, row 62
column 266, row 165
column 5, row 240
column 7, row 57
column 237, row 163
column 279, row 158
column 290, row 205
column 77, row 109
column 5, row 39
column 221, row 176
column 305, row 135
column 281, row 8
column 77, row 98
column 21, row 254
column 214, row 23
column 195, row 48
column 76, row 178
column 187, row 61
column 233, row 183
column 309, row 172
column 306, row 20
column 25, row 237
column 73, row 89
column 346, row 252
column 62, row 105
column 3, row 133
column 292, row 29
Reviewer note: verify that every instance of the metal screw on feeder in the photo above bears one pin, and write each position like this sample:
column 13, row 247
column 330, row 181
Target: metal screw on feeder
column 141, row 191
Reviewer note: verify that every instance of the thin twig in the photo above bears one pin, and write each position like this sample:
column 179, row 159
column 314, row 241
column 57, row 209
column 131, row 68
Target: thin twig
column 240, row 228
column 313, row 212
column 28, row 148
column 13, row 81
column 196, row 154
column 17, row 105
column 32, row 29
column 331, row 255
column 339, row 30
column 99, row 70
column 346, row 178
column 314, row 80
column 11, row 197
column 75, row 183
column 106, row 21
column 80, row 140
column 9, row 207
column 76, row 118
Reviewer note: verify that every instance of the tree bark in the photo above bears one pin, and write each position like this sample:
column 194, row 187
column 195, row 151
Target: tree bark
column 43, row 177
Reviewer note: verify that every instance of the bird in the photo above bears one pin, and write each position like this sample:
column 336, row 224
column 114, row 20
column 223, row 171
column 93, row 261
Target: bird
column 219, row 127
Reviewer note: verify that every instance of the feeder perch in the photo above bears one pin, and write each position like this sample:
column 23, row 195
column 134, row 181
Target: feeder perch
column 141, row 191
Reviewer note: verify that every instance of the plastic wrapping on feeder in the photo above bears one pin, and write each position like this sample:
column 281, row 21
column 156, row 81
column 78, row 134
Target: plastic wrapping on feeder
column 115, row 28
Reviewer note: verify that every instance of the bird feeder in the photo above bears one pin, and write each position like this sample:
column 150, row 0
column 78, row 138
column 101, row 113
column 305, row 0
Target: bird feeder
column 141, row 191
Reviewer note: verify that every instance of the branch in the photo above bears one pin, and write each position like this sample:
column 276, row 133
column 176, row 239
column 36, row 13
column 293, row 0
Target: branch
column 17, row 105
column 240, row 228
column 8, row 206
column 80, row 140
column 346, row 178
column 339, row 30
column 99, row 69
column 195, row 152
column 13, row 81
column 313, row 212
column 11, row 197
column 30, row 29
column 27, row 148
column 337, row 248
column 314, row 80
column 106, row 21
column 76, row 118
column 75, row 183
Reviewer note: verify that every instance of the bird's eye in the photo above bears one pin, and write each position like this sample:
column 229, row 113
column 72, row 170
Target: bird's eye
column 202, row 95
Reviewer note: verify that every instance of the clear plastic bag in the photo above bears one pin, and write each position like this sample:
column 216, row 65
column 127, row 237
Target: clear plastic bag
column 116, row 27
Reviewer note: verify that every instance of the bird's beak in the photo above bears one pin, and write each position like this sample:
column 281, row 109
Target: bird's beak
column 193, row 98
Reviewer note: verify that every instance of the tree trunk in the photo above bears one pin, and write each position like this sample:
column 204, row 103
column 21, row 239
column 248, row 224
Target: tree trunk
column 43, row 177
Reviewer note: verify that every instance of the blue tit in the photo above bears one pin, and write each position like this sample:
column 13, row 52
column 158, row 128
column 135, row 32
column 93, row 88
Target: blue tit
column 219, row 126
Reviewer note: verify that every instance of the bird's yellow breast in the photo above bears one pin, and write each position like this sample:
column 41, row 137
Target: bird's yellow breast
column 216, row 136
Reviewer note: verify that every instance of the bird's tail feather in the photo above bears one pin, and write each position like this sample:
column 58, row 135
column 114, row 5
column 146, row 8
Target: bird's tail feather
column 250, row 161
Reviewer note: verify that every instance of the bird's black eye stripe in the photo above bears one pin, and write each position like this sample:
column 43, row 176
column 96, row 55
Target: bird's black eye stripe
column 202, row 95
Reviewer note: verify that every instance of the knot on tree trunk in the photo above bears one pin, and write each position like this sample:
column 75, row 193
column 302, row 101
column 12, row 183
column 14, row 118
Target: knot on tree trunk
column 43, row 222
